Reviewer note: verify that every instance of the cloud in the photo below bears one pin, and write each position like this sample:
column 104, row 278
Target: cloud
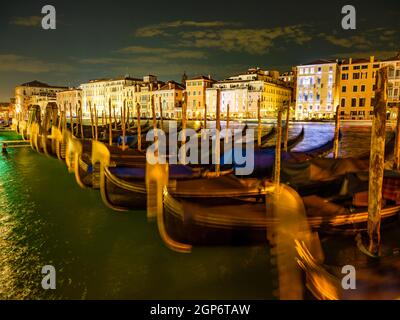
column 161, row 28
column 166, row 53
column 18, row 63
column 253, row 41
column 31, row 21
column 378, row 54
column 369, row 39
column 360, row 42
column 145, row 55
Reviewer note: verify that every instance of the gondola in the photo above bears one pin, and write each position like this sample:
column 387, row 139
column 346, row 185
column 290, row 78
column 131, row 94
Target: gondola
column 239, row 215
column 377, row 278
column 122, row 177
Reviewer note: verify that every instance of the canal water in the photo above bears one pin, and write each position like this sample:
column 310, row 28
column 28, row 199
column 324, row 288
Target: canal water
column 46, row 219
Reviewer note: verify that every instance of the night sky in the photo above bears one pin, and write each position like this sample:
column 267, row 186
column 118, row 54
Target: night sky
column 96, row 39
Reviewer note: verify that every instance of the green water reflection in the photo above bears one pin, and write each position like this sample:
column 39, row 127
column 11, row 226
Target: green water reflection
column 45, row 218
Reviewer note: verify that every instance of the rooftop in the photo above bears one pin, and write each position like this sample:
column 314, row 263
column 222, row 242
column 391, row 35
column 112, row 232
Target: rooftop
column 174, row 85
column 201, row 77
column 396, row 57
column 319, row 61
column 38, row 84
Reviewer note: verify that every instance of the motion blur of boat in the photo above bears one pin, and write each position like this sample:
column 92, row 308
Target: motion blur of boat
column 236, row 210
column 377, row 278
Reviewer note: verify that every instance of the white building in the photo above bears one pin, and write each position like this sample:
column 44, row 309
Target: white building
column 394, row 83
column 242, row 93
column 35, row 93
column 69, row 99
column 317, row 92
column 98, row 93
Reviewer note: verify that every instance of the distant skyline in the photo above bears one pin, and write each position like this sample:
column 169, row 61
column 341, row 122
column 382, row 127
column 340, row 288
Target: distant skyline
column 96, row 39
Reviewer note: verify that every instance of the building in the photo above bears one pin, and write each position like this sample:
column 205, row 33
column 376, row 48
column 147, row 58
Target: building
column 290, row 79
column 394, row 84
column 356, row 88
column 196, row 96
column 169, row 99
column 142, row 92
column 317, row 94
column 70, row 99
column 243, row 91
column 98, row 93
column 6, row 111
column 35, row 93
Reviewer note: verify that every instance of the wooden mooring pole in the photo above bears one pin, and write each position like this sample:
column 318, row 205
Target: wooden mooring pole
column 96, row 122
column 336, row 137
column 277, row 167
column 286, row 137
column 377, row 162
column 217, row 134
column 81, row 118
column 123, row 124
column 91, row 119
column 161, row 113
column 396, row 165
column 139, row 129
column 184, row 117
column 259, row 123
column 205, row 115
column 110, row 123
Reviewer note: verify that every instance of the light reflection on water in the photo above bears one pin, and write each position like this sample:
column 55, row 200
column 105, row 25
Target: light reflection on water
column 45, row 218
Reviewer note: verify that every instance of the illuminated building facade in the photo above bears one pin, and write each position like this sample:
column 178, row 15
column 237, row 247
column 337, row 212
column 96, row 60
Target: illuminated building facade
column 99, row 92
column 394, row 84
column 196, row 95
column 35, row 93
column 70, row 99
column 170, row 96
column 242, row 92
column 356, row 88
column 317, row 94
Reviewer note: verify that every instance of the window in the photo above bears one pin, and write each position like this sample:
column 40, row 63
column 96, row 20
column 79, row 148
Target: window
column 353, row 102
column 345, row 68
column 319, row 69
column 356, row 75
column 343, row 102
column 345, row 76
column 376, row 66
column 364, row 66
column 330, row 69
column 354, row 88
column 363, row 88
column 356, row 67
column 362, row 102
column 343, row 88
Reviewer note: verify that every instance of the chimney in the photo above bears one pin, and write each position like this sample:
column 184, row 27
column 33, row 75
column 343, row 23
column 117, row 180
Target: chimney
column 350, row 60
column 170, row 85
column 159, row 86
column 371, row 59
column 209, row 76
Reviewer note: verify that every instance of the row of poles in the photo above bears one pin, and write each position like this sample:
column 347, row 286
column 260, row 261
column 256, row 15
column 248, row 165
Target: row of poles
column 377, row 153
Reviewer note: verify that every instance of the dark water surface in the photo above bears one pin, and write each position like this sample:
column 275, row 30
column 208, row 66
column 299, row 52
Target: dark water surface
column 45, row 218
